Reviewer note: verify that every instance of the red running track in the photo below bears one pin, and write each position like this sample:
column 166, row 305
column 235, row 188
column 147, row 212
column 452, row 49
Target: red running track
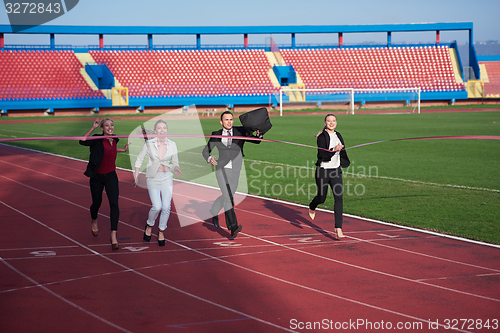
column 282, row 273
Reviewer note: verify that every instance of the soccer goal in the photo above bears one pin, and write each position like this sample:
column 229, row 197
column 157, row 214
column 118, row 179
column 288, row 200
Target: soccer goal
column 410, row 96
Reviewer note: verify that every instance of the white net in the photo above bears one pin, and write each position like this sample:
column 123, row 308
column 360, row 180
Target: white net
column 339, row 96
column 405, row 98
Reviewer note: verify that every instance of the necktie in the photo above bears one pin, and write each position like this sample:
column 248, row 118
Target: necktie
column 229, row 140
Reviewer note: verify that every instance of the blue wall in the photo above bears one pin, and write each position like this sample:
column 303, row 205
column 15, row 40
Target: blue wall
column 101, row 75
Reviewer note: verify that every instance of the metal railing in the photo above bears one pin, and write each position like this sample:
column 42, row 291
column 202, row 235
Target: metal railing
column 210, row 46
column 47, row 93
column 205, row 90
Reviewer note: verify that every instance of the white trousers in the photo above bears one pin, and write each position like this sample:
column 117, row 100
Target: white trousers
column 160, row 192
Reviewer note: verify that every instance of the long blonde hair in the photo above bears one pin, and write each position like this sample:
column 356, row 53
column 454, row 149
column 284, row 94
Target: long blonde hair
column 161, row 121
column 102, row 122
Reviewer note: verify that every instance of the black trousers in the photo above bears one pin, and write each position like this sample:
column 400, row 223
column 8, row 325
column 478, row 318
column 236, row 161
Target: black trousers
column 109, row 182
column 227, row 179
column 332, row 178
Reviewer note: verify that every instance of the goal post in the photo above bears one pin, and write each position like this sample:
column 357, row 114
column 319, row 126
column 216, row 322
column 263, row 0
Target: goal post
column 342, row 95
column 409, row 95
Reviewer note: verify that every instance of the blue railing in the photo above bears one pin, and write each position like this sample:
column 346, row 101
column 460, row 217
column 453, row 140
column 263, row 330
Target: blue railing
column 37, row 47
column 47, row 93
column 435, row 85
column 357, row 46
column 174, row 47
column 211, row 46
column 176, row 90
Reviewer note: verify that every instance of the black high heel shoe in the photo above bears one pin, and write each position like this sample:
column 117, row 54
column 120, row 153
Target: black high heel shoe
column 161, row 242
column 146, row 237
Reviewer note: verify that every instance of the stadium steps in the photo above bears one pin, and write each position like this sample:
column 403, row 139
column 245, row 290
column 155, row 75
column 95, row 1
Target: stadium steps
column 484, row 73
column 475, row 89
column 272, row 61
column 271, row 56
column 273, row 78
column 456, row 67
column 279, row 57
column 296, row 96
column 299, row 80
column 85, row 58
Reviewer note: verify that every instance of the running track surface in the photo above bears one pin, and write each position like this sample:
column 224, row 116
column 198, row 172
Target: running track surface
column 282, row 273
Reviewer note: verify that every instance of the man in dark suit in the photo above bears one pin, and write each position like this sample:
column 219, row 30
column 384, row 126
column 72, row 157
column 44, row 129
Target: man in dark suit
column 227, row 168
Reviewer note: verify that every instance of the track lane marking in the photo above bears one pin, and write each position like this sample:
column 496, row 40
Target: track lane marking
column 255, row 272
column 377, row 244
column 130, row 269
column 396, row 248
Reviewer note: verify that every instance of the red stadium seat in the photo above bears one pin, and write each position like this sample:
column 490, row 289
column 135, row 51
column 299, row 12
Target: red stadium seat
column 36, row 71
column 367, row 67
column 191, row 68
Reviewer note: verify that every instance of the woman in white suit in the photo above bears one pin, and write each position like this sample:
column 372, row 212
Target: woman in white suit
column 162, row 164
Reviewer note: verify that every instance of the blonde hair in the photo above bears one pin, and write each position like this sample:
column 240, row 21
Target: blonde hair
column 102, row 121
column 161, row 122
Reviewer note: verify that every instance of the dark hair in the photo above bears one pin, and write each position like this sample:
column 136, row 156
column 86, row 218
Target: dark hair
column 160, row 122
column 330, row 115
column 225, row 112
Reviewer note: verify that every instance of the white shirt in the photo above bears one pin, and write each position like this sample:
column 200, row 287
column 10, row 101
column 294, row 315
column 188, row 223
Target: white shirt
column 224, row 141
column 335, row 160
column 150, row 148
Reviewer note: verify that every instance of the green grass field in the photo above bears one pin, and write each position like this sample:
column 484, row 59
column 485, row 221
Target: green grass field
column 450, row 186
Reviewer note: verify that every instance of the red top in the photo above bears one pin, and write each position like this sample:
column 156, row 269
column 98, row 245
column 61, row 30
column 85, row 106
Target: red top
column 109, row 158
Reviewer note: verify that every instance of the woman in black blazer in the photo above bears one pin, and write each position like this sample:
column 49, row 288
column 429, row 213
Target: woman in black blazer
column 101, row 170
column 332, row 157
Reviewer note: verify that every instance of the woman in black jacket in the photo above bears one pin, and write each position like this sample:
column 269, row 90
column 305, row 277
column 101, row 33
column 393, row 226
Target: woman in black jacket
column 101, row 170
column 331, row 158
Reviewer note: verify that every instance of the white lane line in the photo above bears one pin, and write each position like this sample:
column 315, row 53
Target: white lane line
column 382, row 245
column 378, row 272
column 459, row 277
column 47, row 289
column 410, row 251
column 63, row 299
column 352, row 174
column 286, row 202
column 267, row 216
column 357, row 239
column 259, row 273
column 133, row 270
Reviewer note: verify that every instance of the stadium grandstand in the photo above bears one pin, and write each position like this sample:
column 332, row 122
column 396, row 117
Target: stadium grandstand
column 490, row 76
column 60, row 77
